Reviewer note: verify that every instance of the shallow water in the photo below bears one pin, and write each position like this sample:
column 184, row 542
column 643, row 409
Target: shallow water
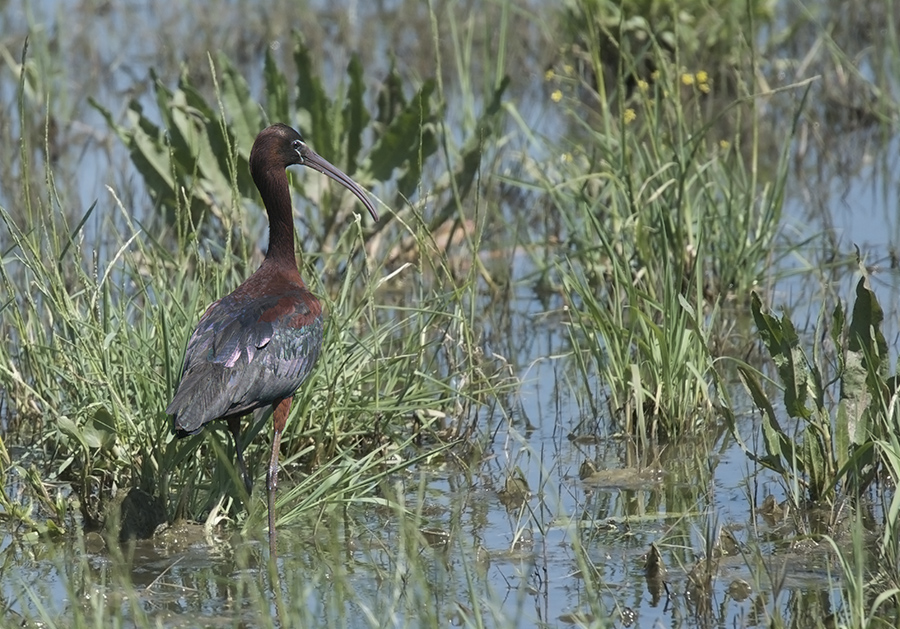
column 524, row 554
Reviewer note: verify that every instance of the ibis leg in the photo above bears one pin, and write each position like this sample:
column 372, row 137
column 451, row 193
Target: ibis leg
column 279, row 417
column 234, row 425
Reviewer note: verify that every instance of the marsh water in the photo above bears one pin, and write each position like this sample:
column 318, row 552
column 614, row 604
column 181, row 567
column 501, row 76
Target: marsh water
column 558, row 490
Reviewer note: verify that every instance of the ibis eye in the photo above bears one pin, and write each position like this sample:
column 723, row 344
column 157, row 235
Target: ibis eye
column 297, row 145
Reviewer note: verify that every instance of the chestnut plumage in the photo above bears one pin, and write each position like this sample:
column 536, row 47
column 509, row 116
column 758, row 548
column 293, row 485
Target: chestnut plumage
column 254, row 347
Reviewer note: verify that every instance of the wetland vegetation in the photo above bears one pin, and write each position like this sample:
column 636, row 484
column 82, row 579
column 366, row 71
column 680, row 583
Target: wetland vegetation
column 621, row 350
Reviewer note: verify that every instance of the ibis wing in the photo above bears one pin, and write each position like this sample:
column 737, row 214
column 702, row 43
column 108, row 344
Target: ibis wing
column 245, row 354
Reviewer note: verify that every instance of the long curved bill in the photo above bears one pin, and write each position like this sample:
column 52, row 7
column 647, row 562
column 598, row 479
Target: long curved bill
column 317, row 162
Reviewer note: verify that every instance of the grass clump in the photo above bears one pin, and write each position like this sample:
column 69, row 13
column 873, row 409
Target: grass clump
column 664, row 222
column 640, row 39
column 97, row 332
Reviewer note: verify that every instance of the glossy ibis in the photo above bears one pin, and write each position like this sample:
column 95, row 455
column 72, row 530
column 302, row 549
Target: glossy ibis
column 254, row 347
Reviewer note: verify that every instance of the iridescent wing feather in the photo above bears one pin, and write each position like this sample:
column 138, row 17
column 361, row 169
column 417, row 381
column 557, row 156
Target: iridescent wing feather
column 245, row 353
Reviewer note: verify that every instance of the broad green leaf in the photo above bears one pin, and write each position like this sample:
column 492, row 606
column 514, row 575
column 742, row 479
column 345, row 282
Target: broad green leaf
column 861, row 467
column 391, row 101
column 242, row 111
column 768, row 326
column 105, row 424
column 163, row 97
column 779, row 448
column 100, row 431
column 195, row 101
column 197, row 126
column 837, row 332
column 865, row 330
column 781, row 340
column 794, row 372
column 311, row 98
column 276, row 92
column 865, row 363
column 818, row 462
column 842, row 437
column 472, row 150
column 356, row 117
column 407, row 141
column 150, row 155
column 70, row 428
column 855, row 397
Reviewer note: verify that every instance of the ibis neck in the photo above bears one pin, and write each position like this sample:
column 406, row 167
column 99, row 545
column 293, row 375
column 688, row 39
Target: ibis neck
column 276, row 196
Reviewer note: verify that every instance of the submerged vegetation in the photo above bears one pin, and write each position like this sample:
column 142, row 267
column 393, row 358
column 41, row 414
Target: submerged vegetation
column 647, row 224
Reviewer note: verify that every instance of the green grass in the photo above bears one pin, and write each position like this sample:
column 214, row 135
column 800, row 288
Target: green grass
column 664, row 220
column 98, row 337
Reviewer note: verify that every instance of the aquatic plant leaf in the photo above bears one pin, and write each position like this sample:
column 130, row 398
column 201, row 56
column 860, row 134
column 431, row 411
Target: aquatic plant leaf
column 860, row 467
column 842, row 431
column 151, row 158
column 100, row 430
column 196, row 125
column 356, row 116
column 311, row 97
column 781, row 340
column 276, row 91
column 71, row 429
column 865, row 328
column 464, row 174
column 854, row 397
column 146, row 146
column 407, row 142
column 862, row 380
column 863, row 385
column 794, row 372
column 863, row 366
column 838, row 319
column 816, row 461
column 391, row 100
column 779, row 448
column 245, row 119
column 473, row 148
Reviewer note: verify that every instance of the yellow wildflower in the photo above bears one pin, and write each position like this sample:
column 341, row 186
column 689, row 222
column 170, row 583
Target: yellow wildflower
column 704, row 87
column 549, row 74
column 642, row 85
column 629, row 116
column 687, row 78
column 654, row 76
column 568, row 69
column 702, row 77
column 556, row 96
column 724, row 144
